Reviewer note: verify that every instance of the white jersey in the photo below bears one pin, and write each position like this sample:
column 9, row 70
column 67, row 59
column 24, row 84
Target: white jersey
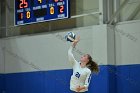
column 81, row 76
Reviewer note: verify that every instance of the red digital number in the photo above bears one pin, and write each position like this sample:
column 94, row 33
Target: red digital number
column 61, row 9
column 21, row 16
column 23, row 4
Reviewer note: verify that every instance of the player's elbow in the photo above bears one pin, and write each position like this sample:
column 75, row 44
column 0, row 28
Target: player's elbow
column 69, row 53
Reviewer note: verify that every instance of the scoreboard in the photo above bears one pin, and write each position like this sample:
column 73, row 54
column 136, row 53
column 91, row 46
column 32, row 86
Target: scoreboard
column 34, row 11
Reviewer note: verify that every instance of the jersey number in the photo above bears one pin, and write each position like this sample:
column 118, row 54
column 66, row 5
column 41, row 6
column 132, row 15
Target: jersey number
column 77, row 75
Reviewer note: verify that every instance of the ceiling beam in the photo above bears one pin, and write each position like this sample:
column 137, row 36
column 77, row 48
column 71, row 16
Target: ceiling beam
column 134, row 13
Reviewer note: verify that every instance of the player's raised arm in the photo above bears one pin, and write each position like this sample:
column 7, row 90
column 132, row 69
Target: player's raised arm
column 70, row 54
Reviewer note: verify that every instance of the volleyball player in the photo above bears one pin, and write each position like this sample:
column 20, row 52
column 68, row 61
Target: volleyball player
column 82, row 71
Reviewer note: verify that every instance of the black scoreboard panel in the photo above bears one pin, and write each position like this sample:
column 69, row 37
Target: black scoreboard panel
column 33, row 11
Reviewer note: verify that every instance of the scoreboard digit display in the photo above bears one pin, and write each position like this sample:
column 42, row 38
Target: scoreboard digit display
column 34, row 11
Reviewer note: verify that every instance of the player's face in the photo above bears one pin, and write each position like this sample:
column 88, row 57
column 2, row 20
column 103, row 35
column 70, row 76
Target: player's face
column 84, row 58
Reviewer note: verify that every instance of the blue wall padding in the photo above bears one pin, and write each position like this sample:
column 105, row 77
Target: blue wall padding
column 128, row 79
column 99, row 83
column 111, row 79
column 56, row 81
column 32, row 82
column 1, row 83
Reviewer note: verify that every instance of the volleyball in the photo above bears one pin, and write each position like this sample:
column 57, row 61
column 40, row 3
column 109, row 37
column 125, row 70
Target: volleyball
column 70, row 36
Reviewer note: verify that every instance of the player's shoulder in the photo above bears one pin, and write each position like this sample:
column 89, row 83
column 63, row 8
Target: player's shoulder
column 88, row 70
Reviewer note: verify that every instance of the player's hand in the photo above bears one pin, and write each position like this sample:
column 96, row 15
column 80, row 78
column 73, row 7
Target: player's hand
column 78, row 89
column 74, row 43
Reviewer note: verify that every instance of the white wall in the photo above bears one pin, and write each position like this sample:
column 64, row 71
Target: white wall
column 128, row 43
column 0, row 16
column 1, row 57
column 110, row 45
column 49, row 51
